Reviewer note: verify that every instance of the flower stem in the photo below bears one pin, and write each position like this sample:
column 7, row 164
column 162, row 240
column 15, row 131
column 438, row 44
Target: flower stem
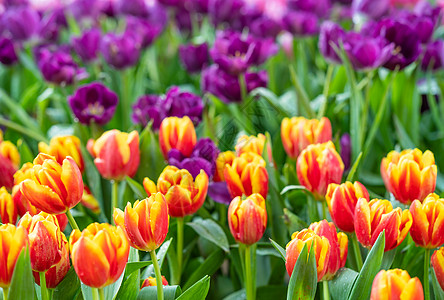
column 243, row 87
column 43, row 290
column 249, row 285
column 5, row 293
column 71, row 220
column 180, row 225
column 326, row 292
column 324, row 209
column 357, row 252
column 95, row 293
column 326, row 90
column 101, row 294
column 426, row 274
column 114, row 196
column 158, row 275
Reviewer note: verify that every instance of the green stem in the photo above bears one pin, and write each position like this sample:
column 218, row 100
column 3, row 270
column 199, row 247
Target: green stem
column 326, row 292
column 426, row 274
column 50, row 293
column 125, row 100
column 366, row 105
column 23, row 130
column 249, row 285
column 357, row 252
column 243, row 87
column 43, row 290
column 180, row 229
column 5, row 293
column 95, row 293
column 302, row 96
column 158, row 275
column 324, row 209
column 114, row 196
column 326, row 90
column 71, row 220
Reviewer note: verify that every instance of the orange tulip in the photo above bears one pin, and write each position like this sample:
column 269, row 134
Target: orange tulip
column 8, row 211
column 10, row 152
column 341, row 200
column 438, row 265
column 53, row 188
column 409, row 175
column 9, row 162
column 183, row 194
column 247, row 175
column 99, row 254
column 177, row 133
column 151, row 281
column 338, row 246
column 116, row 154
column 223, row 159
column 13, row 240
column 89, row 201
column 371, row 218
column 145, row 223
column 45, row 240
column 396, row 284
column 318, row 166
column 251, row 143
column 298, row 132
column 247, row 219
column 25, row 172
column 63, row 146
column 310, row 238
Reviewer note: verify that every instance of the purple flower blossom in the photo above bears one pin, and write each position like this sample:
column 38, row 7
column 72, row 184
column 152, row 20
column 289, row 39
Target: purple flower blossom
column 265, row 27
column 330, row 34
column 120, row 51
column 374, row 9
column 180, row 104
column 21, row 22
column 93, row 103
column 345, row 143
column 149, row 107
column 301, row 23
column 320, row 8
column 87, row 45
column 134, row 7
column 194, row 57
column 218, row 191
column 8, row 55
column 142, row 30
column 433, row 57
column 224, row 11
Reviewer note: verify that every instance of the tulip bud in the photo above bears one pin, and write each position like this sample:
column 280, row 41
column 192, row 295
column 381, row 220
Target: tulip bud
column 9, row 161
column 8, row 211
column 151, row 281
column 177, row 133
column 371, row 218
column 252, row 143
column 145, row 223
column 89, row 201
column 99, row 254
column 223, row 158
column 396, row 284
column 247, row 219
column 247, row 175
column 409, row 175
column 438, row 265
column 53, row 188
column 341, row 200
column 63, row 146
column 298, row 132
column 318, row 166
column 338, row 246
column 310, row 238
column 13, row 240
column 116, row 154
column 45, row 240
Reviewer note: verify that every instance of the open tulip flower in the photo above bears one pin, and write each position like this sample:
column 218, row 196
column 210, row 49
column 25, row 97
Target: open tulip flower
column 177, row 133
column 63, row 146
column 396, row 285
column 8, row 210
column 409, row 175
column 371, row 218
column 252, row 143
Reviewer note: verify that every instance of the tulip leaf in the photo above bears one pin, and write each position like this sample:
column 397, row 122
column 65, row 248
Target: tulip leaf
column 279, row 249
column 161, row 254
column 293, row 222
column 372, row 265
column 130, row 287
column 388, row 259
column 304, row 279
column 152, row 161
column 352, row 174
column 197, row 291
column 137, row 188
column 110, row 291
column 134, row 266
column 272, row 99
column 292, row 187
column 22, row 282
column 210, row 230
column 68, row 288
column 93, row 178
column 25, row 153
column 341, row 285
column 265, row 292
column 437, row 290
column 208, row 267
column 169, row 292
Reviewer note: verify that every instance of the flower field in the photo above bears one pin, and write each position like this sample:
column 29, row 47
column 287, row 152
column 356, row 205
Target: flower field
column 221, row 149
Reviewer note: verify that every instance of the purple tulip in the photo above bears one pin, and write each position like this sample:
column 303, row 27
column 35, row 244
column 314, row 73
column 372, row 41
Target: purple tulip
column 180, row 104
column 320, row 8
column 142, row 30
column 12, row 3
column 330, row 34
column 87, row 45
column 265, row 27
column 120, row 51
column 49, row 28
column 301, row 23
column 345, row 143
column 8, row 55
column 224, row 11
column 22, row 22
column 147, row 108
column 433, row 57
column 93, row 102
column 194, row 57
column 374, row 9
column 133, row 7
column 83, row 9
column 218, row 191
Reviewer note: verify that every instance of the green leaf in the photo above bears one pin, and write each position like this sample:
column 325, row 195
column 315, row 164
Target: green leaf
column 161, row 254
column 293, row 222
column 341, row 285
column 265, row 292
column 351, row 175
column 388, row 259
column 169, row 292
column 137, row 188
column 292, row 188
column 302, row 94
column 130, row 287
column 197, row 291
column 437, row 290
column 210, row 230
column 272, row 99
column 279, row 249
column 208, row 267
column 134, row 266
column 93, row 178
column 110, row 291
column 404, row 139
column 372, row 265
column 25, row 153
column 22, row 282
column 304, row 279
column 152, row 161
column 69, row 288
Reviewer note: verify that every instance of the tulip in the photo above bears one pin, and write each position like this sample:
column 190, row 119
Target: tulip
column 250, row 144
column 181, row 104
column 143, row 30
column 63, row 146
column 13, row 240
column 371, row 218
column 149, row 108
column 298, row 132
column 396, row 284
column 318, row 166
column 13, row 22
column 151, row 281
column 373, row 8
column 89, row 201
column 319, row 7
column 116, row 154
column 266, row 27
column 438, row 265
column 9, row 161
column 341, row 200
column 330, row 34
column 8, row 210
column 409, row 175
column 223, row 159
column 338, row 246
column 145, row 222
column 120, row 51
column 247, row 175
column 99, row 254
column 177, row 133
column 87, row 45
column 345, row 153
column 310, row 238
column 8, row 51
column 433, row 58
column 301, row 23
column 194, row 57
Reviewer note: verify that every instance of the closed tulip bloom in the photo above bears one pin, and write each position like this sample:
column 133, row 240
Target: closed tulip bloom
column 53, row 188
column 428, row 222
column 438, row 265
column 145, row 222
column 311, row 239
column 318, row 166
column 184, row 195
column 45, row 240
column 251, row 143
column 298, row 132
column 177, row 133
column 120, row 51
column 8, row 210
column 63, row 146
column 223, row 158
column 13, row 240
column 89, row 201
column 87, row 45
column 338, row 246
column 116, row 154
column 194, row 57
column 247, row 175
column 371, row 218
column 247, row 219
column 341, row 200
column 9, row 162
column 99, row 254
column 151, row 281
column 396, row 284
column 409, row 175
